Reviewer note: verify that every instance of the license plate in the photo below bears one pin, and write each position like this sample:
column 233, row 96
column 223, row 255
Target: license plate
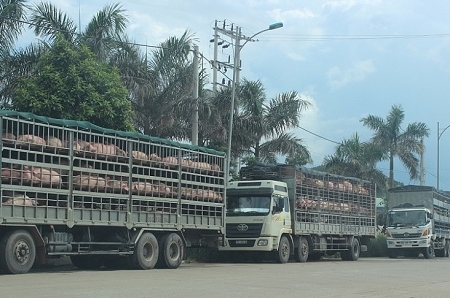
column 241, row 241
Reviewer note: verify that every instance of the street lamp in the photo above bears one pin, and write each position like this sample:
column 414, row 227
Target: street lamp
column 439, row 134
column 237, row 59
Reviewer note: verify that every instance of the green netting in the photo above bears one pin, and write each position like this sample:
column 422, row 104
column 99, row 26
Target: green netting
column 92, row 127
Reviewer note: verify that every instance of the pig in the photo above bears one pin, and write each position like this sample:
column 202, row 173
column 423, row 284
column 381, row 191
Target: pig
column 84, row 181
column 21, row 200
column 142, row 187
column 139, row 155
column 348, row 186
column 54, row 142
column 31, row 139
column 170, row 160
column 215, row 167
column 8, row 136
column 117, row 185
column 154, row 157
column 16, row 174
column 45, row 176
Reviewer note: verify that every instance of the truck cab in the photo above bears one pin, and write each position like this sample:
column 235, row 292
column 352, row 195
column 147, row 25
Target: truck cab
column 258, row 218
column 409, row 231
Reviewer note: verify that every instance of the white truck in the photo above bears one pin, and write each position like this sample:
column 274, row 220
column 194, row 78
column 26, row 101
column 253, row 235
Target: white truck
column 281, row 211
column 103, row 197
column 418, row 221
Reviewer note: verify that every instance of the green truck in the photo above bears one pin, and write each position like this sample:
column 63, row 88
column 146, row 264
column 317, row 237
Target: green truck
column 282, row 212
column 103, row 197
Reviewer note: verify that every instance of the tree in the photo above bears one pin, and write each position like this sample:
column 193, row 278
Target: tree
column 162, row 97
column 104, row 35
column 12, row 15
column 396, row 142
column 70, row 83
column 358, row 159
column 260, row 126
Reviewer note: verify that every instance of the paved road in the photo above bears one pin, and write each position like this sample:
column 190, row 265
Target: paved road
column 368, row 277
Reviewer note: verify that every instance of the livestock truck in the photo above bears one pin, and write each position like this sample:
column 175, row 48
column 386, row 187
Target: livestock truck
column 103, row 197
column 282, row 211
column 418, row 221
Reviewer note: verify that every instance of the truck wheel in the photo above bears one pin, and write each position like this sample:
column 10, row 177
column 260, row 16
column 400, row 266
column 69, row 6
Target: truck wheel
column 17, row 252
column 302, row 251
column 428, row 253
column 284, row 250
column 354, row 250
column 392, row 253
column 171, row 251
column 146, row 252
column 87, row 262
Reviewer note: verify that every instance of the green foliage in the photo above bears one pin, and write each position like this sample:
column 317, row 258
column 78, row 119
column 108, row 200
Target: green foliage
column 377, row 247
column 69, row 83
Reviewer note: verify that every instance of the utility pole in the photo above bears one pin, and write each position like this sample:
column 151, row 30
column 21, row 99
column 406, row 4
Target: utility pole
column 215, row 63
column 195, row 95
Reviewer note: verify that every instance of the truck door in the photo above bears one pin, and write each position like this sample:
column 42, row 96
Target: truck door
column 281, row 216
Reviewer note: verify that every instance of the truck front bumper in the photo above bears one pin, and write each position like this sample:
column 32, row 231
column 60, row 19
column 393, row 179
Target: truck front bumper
column 408, row 243
column 239, row 244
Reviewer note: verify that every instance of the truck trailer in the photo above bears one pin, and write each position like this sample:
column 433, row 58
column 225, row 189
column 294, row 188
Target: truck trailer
column 103, row 197
column 418, row 221
column 283, row 211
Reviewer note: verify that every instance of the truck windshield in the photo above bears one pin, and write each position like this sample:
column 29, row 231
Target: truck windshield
column 248, row 205
column 407, row 218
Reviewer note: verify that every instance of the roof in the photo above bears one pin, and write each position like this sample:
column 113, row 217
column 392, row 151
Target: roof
column 89, row 126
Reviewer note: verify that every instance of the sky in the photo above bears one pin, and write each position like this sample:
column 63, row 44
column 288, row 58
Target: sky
column 349, row 58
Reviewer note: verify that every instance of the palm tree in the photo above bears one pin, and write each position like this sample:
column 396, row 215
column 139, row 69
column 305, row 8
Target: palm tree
column 260, row 127
column 354, row 158
column 163, row 96
column 396, row 142
column 12, row 15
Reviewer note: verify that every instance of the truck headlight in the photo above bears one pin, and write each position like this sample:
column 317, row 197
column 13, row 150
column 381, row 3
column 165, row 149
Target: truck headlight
column 387, row 234
column 263, row 242
column 426, row 232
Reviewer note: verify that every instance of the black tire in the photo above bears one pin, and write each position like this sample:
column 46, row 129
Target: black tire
column 87, row 262
column 428, row 253
column 283, row 253
column 392, row 253
column 354, row 250
column 17, row 252
column 146, row 252
column 171, row 251
column 302, row 252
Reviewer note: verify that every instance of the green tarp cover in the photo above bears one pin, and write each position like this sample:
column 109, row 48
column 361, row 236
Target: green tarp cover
column 89, row 126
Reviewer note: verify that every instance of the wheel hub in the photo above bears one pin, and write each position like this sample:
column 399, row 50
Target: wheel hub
column 22, row 251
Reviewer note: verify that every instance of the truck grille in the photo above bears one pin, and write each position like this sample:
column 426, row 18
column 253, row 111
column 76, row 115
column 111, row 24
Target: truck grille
column 250, row 230
column 406, row 235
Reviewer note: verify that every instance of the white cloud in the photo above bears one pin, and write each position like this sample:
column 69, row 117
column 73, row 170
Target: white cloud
column 359, row 71
column 292, row 14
